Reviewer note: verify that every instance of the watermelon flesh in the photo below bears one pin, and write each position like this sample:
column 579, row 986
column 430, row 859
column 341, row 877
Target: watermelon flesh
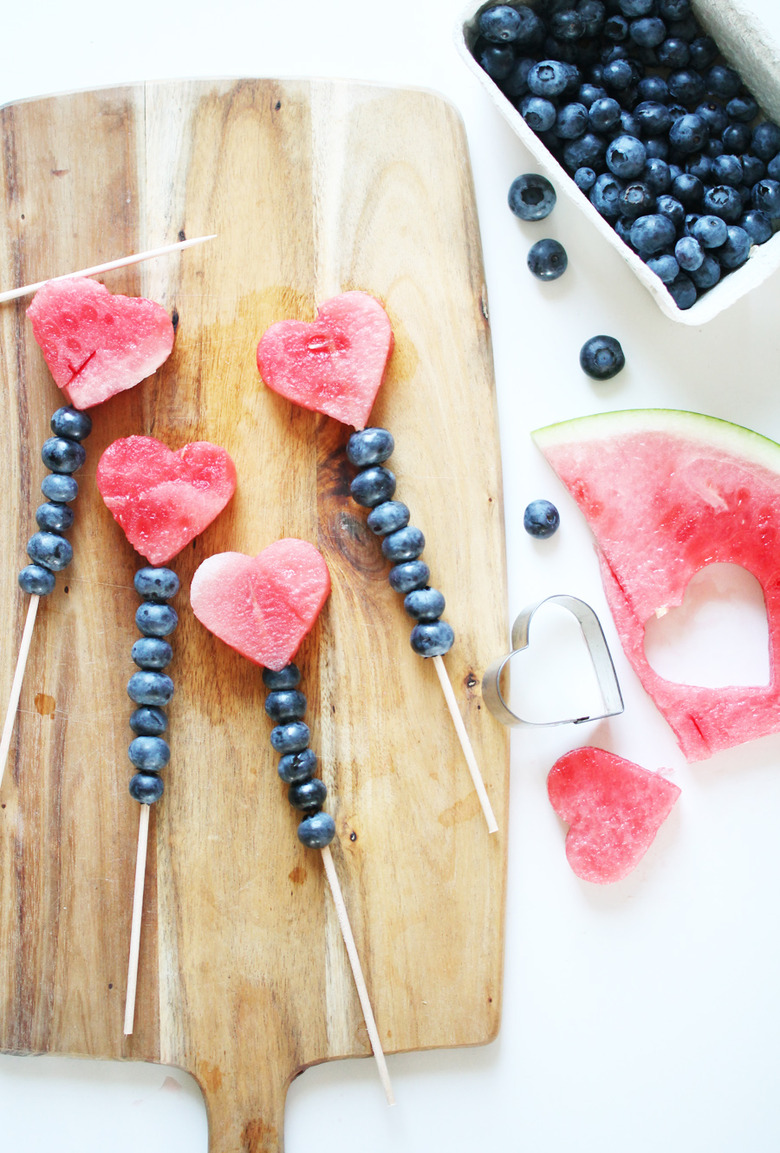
column 333, row 365
column 667, row 494
column 262, row 606
column 613, row 807
column 97, row 343
column 164, row 499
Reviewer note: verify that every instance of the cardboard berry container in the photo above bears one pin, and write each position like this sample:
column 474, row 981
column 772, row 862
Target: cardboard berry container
column 746, row 47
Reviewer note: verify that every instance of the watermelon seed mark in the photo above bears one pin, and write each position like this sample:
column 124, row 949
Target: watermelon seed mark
column 77, row 371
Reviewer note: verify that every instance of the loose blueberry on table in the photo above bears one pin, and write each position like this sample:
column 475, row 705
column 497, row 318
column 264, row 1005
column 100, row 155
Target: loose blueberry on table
column 636, row 92
column 541, row 518
column 531, row 197
column 602, row 357
column 547, row 259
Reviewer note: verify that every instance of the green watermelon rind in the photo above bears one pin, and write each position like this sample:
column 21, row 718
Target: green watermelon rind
column 712, row 430
column 704, row 720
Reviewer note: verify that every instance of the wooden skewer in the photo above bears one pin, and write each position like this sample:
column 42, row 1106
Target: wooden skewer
column 122, row 262
column 465, row 744
column 357, row 972
column 135, row 929
column 16, row 684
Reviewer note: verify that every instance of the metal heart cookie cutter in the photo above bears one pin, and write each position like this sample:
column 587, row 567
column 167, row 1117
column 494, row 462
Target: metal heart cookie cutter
column 599, row 653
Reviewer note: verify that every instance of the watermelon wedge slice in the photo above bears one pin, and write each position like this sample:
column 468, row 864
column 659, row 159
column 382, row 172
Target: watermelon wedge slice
column 164, row 499
column 613, row 807
column 667, row 493
column 97, row 343
column 336, row 363
column 262, row 606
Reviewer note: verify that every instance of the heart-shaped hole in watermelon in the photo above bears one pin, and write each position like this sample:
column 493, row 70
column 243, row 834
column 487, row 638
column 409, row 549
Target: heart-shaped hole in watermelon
column 718, row 636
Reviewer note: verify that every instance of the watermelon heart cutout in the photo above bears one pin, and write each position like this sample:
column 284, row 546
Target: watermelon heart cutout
column 163, row 499
column 613, row 807
column 262, row 606
column 336, row 363
column 667, row 493
column 97, row 343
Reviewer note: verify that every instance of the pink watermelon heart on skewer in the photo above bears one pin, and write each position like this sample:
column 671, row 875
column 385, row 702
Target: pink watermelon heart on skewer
column 164, row 499
column 97, row 343
column 614, row 809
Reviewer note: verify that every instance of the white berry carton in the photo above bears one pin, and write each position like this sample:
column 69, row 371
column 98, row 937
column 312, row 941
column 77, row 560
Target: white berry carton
column 748, row 48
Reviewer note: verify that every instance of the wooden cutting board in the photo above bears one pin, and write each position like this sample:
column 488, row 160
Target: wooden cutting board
column 312, row 188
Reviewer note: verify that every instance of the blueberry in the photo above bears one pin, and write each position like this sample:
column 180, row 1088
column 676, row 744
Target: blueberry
column 62, row 455
column 617, row 75
column 710, row 231
column 664, row 266
column 653, row 117
column 285, row 705
column 409, row 575
column 652, row 233
column 155, row 620
column 626, row 156
column 388, row 517
column 653, row 88
column 149, row 753
column 500, row 24
column 707, row 274
column 286, row 678
column 636, row 199
column 724, row 201
column 648, row 31
column 602, row 357
column 497, row 60
column 588, row 93
column 604, row 114
column 656, row 175
column 567, row 24
column 727, row 169
column 714, row 116
column 515, row 84
column 317, row 831
column 674, row 9
column 634, row 8
column 50, row 550
column 149, row 721
column 585, row 178
column 36, row 580
column 757, row 224
column 548, row 78
column 541, row 518
column 723, row 81
column 736, row 250
column 765, row 195
column 587, row 152
column 150, row 688
column 672, row 208
column 60, row 488
column 701, row 166
column 674, row 53
column 605, row 195
column 369, row 446
column 616, row 29
column 753, row 169
column 403, row 545
column 531, row 197
column 54, row 517
column 294, row 767
column 156, row 584
column 703, row 50
column 736, row 138
column 307, row 796
column 547, row 259
column 538, row 113
column 290, row 738
column 683, row 291
column 593, row 15
column 686, row 85
column 432, row 638
column 425, row 604
column 688, row 253
column 689, row 134
column 688, row 189
column 72, row 423
column 146, row 788
column 373, row 486
column 742, row 108
column 152, row 653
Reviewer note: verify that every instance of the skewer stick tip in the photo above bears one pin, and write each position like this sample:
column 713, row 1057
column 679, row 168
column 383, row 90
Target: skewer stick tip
column 16, row 684
column 135, row 929
column 465, row 744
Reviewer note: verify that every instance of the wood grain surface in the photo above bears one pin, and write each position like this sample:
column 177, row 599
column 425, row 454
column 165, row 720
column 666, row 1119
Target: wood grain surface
column 313, row 188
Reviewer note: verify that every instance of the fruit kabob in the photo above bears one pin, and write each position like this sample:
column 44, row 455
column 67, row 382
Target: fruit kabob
column 162, row 500
column 263, row 607
column 95, row 345
column 335, row 365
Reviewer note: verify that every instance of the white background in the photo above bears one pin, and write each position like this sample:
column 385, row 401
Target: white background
column 639, row 1016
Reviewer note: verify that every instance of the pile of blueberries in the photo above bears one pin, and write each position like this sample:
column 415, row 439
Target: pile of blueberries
column 402, row 544
column 637, row 104
column 286, row 706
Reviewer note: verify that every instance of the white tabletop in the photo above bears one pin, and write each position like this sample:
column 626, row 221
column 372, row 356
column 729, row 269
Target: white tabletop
column 639, row 1016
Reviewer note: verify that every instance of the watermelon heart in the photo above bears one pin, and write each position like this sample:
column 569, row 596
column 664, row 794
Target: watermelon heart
column 667, row 494
column 335, row 364
column 95, row 343
column 613, row 807
column 163, row 499
column 262, row 606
